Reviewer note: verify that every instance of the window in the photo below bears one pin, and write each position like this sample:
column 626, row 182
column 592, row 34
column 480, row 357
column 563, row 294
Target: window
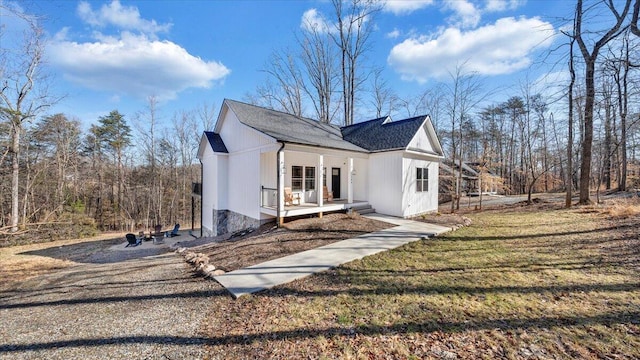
column 324, row 176
column 296, row 177
column 422, row 179
column 309, row 178
column 303, row 175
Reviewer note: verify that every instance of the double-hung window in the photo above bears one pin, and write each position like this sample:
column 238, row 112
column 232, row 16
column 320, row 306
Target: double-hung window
column 422, row 179
column 309, row 178
column 296, row 178
column 303, row 175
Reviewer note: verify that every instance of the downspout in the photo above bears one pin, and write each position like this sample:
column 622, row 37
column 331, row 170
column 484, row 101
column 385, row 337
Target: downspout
column 201, row 195
column 279, row 172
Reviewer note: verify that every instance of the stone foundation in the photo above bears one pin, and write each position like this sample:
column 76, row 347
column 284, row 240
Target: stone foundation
column 226, row 221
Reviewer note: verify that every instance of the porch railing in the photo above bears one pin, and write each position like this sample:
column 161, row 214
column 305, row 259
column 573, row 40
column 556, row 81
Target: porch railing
column 268, row 197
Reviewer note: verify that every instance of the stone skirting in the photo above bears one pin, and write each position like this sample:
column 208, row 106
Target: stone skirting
column 227, row 221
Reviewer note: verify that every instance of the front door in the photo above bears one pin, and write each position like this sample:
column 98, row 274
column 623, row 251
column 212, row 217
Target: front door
column 335, row 182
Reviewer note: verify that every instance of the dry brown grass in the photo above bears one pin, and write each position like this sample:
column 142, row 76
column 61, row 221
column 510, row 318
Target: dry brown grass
column 526, row 282
column 624, row 207
column 18, row 264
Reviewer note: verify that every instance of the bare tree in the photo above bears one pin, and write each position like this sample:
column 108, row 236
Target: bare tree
column 207, row 116
column 353, row 28
column 22, row 94
column 590, row 55
column 318, row 59
column 146, row 123
column 621, row 76
column 383, row 97
column 463, row 95
column 286, row 93
column 634, row 18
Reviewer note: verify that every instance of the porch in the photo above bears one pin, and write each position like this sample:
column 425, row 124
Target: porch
column 309, row 174
column 313, row 208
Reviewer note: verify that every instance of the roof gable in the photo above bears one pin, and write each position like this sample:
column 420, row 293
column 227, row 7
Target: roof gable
column 426, row 140
column 383, row 134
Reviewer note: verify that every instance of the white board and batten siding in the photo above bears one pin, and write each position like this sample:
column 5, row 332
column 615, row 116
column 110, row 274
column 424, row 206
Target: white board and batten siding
column 269, row 170
column 214, row 188
column 385, row 182
column 422, row 142
column 360, row 179
column 246, row 148
column 244, row 183
column 239, row 137
column 419, row 202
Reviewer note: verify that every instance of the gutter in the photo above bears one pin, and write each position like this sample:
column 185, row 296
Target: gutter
column 201, row 195
column 278, row 171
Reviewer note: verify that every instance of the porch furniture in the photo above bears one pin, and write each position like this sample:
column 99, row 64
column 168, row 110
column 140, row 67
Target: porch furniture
column 132, row 240
column 157, row 231
column 326, row 194
column 174, row 232
column 158, row 240
column 290, row 197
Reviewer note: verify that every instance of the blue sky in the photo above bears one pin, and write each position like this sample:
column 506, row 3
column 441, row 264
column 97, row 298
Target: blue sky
column 107, row 55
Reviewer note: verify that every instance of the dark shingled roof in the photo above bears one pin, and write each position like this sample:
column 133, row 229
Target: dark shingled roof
column 376, row 135
column 290, row 128
column 216, row 142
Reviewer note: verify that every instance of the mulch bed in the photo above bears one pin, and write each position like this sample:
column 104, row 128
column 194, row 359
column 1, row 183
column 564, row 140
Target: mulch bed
column 269, row 242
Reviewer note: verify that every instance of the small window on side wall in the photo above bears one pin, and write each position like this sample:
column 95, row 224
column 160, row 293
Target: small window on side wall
column 422, row 179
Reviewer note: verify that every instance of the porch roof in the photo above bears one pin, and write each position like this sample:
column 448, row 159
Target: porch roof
column 290, row 128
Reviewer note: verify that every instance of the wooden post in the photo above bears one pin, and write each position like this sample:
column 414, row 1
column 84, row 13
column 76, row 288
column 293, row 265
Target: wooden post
column 280, row 187
column 319, row 184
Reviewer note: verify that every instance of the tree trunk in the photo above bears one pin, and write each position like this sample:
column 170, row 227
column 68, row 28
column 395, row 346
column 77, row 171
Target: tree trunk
column 569, row 181
column 587, row 141
column 15, row 171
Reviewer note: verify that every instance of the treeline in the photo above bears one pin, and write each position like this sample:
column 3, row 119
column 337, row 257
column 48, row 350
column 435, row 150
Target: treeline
column 120, row 174
column 577, row 132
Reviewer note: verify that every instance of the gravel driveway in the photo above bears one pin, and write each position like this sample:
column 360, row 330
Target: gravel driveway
column 145, row 308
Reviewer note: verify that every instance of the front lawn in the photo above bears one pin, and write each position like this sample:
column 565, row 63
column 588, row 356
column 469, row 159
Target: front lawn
column 520, row 282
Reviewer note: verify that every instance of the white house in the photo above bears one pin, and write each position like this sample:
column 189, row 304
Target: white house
column 256, row 155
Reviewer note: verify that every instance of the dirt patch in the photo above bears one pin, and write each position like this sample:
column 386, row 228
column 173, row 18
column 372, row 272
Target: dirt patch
column 451, row 220
column 269, row 242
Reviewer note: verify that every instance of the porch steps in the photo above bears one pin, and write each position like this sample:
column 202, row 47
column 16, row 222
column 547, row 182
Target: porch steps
column 363, row 209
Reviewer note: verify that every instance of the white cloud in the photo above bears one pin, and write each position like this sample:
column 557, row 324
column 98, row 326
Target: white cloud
column 402, row 7
column 132, row 62
column 502, row 5
column 312, row 20
column 134, row 65
column 466, row 14
column 123, row 17
column 500, row 48
column 393, row 34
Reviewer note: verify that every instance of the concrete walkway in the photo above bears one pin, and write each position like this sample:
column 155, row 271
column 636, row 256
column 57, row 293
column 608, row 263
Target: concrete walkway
column 283, row 270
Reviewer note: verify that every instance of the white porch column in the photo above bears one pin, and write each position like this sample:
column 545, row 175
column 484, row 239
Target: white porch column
column 280, row 186
column 319, row 185
column 350, row 173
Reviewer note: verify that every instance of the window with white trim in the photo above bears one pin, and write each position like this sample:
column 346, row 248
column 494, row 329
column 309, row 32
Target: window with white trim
column 309, row 178
column 303, row 175
column 296, row 177
column 422, row 179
